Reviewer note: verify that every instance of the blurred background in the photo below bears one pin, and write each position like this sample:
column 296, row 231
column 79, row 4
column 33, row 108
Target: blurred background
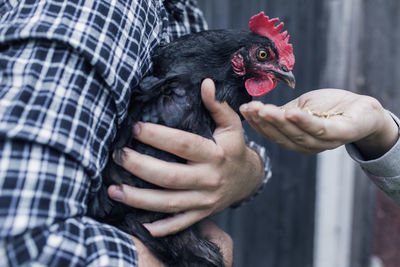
column 321, row 211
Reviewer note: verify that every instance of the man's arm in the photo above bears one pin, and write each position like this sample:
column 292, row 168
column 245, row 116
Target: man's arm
column 51, row 101
column 42, row 221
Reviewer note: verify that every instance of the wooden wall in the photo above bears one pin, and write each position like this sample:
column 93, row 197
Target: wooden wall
column 380, row 77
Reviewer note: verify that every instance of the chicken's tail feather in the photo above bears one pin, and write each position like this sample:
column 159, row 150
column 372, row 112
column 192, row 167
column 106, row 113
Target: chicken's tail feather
column 184, row 249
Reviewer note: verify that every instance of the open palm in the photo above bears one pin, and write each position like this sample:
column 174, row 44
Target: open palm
column 320, row 120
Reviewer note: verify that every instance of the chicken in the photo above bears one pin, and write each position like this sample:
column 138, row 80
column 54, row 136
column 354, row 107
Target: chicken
column 242, row 64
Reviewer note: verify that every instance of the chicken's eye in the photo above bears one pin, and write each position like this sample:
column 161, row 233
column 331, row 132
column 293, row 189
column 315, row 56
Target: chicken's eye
column 262, row 54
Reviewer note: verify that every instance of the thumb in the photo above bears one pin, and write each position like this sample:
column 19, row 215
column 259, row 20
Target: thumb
column 222, row 113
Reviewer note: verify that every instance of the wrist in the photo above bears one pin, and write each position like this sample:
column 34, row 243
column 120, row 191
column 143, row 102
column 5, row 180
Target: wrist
column 382, row 140
column 255, row 176
column 257, row 168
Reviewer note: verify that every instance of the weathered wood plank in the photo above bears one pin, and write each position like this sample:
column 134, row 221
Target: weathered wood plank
column 380, row 78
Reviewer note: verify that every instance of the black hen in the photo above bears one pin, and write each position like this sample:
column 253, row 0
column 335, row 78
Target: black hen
column 235, row 60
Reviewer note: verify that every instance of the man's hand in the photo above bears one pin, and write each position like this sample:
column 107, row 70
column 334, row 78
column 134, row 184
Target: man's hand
column 325, row 119
column 216, row 176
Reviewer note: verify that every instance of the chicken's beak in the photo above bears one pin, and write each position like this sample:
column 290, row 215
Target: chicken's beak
column 286, row 77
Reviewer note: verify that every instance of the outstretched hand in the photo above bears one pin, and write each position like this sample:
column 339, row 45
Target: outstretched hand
column 216, row 176
column 325, row 119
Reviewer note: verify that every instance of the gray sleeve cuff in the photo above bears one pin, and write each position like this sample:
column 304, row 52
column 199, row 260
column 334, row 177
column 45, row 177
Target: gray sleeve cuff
column 387, row 165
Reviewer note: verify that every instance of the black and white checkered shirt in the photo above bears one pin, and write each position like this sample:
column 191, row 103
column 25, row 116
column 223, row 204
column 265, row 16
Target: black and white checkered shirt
column 67, row 68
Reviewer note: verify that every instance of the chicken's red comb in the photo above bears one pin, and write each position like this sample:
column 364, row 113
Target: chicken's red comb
column 262, row 25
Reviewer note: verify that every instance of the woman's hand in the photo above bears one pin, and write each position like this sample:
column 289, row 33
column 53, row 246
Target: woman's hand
column 325, row 119
column 216, row 176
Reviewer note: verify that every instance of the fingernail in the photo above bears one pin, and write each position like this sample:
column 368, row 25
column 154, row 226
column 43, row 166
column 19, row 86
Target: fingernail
column 255, row 118
column 147, row 226
column 136, row 129
column 118, row 155
column 244, row 108
column 116, row 193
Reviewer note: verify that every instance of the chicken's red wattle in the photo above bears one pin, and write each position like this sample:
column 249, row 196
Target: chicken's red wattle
column 259, row 87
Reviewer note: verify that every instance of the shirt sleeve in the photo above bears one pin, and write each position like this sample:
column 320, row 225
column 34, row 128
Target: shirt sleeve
column 383, row 171
column 54, row 110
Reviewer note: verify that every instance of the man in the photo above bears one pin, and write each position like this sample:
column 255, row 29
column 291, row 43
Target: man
column 66, row 70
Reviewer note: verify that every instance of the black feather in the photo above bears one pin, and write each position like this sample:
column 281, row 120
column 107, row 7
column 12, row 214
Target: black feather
column 171, row 96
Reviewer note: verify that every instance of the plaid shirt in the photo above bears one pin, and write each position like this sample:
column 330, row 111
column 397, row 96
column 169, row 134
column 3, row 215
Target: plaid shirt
column 66, row 73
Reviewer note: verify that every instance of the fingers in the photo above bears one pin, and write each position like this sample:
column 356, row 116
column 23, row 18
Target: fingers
column 222, row 113
column 183, row 144
column 273, row 134
column 168, row 201
column 270, row 121
column 166, row 174
column 176, row 223
column 313, row 125
column 274, row 124
column 250, row 110
column 336, row 130
column 278, row 118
